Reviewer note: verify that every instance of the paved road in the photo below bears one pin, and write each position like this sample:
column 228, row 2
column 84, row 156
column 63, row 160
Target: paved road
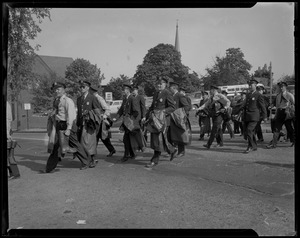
column 215, row 189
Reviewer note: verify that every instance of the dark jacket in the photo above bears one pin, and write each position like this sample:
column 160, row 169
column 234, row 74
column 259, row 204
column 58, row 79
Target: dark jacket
column 254, row 107
column 162, row 101
column 181, row 101
column 130, row 108
column 85, row 105
column 141, row 105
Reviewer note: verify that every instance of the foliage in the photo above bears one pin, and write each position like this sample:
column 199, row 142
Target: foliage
column 22, row 28
column 81, row 69
column 163, row 60
column 289, row 79
column 115, row 86
column 42, row 94
column 229, row 70
column 262, row 72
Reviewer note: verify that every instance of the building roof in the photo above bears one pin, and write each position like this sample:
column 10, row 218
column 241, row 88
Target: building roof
column 51, row 64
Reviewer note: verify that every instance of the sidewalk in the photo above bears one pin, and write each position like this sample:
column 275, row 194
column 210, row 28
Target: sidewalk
column 266, row 128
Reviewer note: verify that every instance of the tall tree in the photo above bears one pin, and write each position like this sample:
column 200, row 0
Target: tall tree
column 42, row 94
column 81, row 69
column 22, row 27
column 229, row 70
column 115, row 86
column 162, row 60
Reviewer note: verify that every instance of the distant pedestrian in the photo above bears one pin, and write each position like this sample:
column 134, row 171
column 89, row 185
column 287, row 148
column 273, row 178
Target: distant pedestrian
column 227, row 119
column 217, row 104
column 254, row 108
column 204, row 117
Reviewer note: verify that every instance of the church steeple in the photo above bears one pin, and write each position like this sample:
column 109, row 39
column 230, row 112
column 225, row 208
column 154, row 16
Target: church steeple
column 177, row 38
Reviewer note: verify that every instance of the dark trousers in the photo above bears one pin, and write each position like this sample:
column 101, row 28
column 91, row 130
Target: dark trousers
column 249, row 130
column 216, row 131
column 108, row 144
column 127, row 144
column 278, row 123
column 226, row 124
column 73, row 142
column 258, row 131
column 204, row 124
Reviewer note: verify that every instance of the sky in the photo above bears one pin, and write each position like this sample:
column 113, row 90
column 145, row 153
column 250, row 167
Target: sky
column 117, row 40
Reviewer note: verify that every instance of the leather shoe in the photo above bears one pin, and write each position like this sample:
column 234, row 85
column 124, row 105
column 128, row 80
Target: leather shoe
column 124, row 159
column 14, row 177
column 132, row 157
column 206, row 146
column 84, row 167
column 180, row 154
column 249, row 150
column 111, row 153
column 173, row 155
column 150, row 165
column 218, row 145
column 92, row 165
column 271, row 146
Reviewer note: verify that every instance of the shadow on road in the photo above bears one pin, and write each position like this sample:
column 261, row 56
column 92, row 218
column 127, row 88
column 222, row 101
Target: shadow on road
column 275, row 164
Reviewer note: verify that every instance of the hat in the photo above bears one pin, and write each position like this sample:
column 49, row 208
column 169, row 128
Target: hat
column 244, row 92
column 85, row 82
column 135, row 86
column 252, row 81
column 282, row 83
column 95, row 87
column 214, row 87
column 126, row 84
column 182, row 88
column 224, row 92
column 174, row 83
column 260, row 86
column 56, row 85
column 159, row 78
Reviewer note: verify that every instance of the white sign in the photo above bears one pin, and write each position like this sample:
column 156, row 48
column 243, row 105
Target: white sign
column 108, row 96
column 27, row 106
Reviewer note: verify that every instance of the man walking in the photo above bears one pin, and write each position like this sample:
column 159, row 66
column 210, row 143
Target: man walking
column 131, row 123
column 65, row 116
column 103, row 132
column 218, row 104
column 254, row 107
column 88, row 121
column 162, row 105
column 226, row 119
column 283, row 100
column 175, row 131
column 204, row 117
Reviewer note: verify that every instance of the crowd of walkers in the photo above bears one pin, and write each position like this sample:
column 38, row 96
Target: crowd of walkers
column 78, row 129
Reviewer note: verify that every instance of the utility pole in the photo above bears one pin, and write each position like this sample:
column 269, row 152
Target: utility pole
column 271, row 89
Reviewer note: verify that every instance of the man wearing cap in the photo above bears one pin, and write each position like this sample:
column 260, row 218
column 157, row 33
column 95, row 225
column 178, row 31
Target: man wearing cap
column 283, row 100
column 254, row 108
column 140, row 100
column 162, row 101
column 182, row 90
column 226, row 119
column 103, row 133
column 175, row 133
column 131, row 123
column 65, row 116
column 204, row 117
column 238, row 112
column 217, row 105
column 258, row 131
column 88, row 121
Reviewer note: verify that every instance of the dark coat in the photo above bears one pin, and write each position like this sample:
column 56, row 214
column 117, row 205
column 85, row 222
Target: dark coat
column 162, row 101
column 85, row 105
column 254, row 107
column 142, row 107
column 130, row 108
column 181, row 101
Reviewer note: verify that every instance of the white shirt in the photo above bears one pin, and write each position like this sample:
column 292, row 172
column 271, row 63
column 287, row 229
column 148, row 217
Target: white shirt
column 66, row 111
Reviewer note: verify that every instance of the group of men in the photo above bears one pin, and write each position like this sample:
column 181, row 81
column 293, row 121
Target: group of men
column 247, row 113
column 78, row 130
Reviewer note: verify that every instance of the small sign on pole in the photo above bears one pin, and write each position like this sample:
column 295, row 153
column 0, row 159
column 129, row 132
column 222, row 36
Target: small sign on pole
column 108, row 96
column 27, row 106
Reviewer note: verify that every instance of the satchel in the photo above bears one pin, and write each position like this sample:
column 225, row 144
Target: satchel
column 129, row 123
column 179, row 117
column 290, row 112
column 157, row 121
